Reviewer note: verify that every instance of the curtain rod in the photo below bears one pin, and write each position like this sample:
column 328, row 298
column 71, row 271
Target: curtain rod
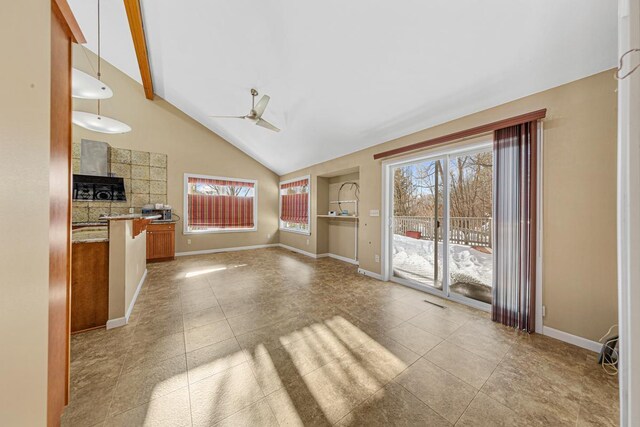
column 489, row 127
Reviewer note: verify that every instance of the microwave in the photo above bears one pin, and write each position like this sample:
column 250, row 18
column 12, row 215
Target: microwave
column 165, row 213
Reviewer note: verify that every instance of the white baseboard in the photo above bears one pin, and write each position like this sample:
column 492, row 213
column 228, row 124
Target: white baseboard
column 273, row 245
column 325, row 255
column 300, row 251
column 572, row 339
column 370, row 274
column 135, row 295
column 116, row 323
column 344, row 259
column 121, row 321
column 215, row 251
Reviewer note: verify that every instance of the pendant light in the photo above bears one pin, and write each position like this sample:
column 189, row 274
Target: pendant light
column 98, row 122
column 85, row 86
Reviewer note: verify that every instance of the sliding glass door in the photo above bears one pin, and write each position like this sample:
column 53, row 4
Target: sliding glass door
column 470, row 225
column 418, row 211
column 440, row 224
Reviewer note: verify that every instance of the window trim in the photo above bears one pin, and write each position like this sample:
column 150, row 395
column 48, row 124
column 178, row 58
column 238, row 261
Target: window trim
column 185, row 200
column 280, row 227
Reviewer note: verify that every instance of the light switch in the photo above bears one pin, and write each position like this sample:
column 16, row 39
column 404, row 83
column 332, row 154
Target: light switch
column 374, row 212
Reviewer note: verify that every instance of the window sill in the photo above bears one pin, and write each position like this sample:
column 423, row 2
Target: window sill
column 306, row 233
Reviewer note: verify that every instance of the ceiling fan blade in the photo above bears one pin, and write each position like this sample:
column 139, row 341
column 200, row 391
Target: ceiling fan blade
column 266, row 124
column 228, row 117
column 261, row 105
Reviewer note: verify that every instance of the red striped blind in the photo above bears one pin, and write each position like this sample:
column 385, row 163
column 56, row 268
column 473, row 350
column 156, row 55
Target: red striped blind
column 299, row 183
column 295, row 206
column 220, row 211
column 209, row 181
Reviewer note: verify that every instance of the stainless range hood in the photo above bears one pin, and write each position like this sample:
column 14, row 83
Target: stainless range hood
column 95, row 182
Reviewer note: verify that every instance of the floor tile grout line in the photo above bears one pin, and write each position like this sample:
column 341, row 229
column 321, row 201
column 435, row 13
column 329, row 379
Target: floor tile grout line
column 374, row 305
column 184, row 343
column 417, row 397
column 121, row 373
column 489, row 377
column 115, row 389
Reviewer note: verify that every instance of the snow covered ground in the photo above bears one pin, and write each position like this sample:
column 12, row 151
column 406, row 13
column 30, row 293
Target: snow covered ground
column 467, row 265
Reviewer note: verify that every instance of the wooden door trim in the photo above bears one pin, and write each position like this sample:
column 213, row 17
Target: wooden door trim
column 63, row 11
column 64, row 30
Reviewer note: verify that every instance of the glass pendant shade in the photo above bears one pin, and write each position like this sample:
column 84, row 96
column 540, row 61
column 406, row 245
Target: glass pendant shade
column 85, row 86
column 97, row 123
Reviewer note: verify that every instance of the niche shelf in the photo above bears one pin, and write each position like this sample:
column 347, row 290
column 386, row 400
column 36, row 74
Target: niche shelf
column 338, row 234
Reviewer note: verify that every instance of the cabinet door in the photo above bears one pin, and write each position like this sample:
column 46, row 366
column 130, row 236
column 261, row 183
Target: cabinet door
column 163, row 244
column 150, row 252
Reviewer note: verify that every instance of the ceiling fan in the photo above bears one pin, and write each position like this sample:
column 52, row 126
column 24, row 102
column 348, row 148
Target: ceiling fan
column 255, row 115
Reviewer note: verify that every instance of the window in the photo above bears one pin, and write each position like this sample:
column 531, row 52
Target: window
column 295, row 205
column 217, row 205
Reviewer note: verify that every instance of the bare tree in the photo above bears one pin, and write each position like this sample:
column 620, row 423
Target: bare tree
column 404, row 192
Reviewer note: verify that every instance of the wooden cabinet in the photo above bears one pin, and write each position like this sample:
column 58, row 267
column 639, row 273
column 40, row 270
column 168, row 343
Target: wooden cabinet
column 89, row 285
column 161, row 242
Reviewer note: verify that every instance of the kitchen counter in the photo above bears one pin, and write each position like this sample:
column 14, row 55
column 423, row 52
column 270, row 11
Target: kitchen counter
column 90, row 234
column 129, row 216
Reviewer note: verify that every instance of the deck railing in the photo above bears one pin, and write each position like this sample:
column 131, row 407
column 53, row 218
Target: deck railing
column 463, row 230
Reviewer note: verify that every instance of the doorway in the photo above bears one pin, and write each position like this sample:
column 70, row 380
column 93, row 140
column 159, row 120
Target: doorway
column 439, row 225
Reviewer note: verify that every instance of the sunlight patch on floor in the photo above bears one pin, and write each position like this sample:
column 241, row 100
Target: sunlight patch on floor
column 338, row 364
column 211, row 270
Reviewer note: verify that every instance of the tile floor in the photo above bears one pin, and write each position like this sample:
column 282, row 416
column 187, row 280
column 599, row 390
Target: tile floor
column 269, row 337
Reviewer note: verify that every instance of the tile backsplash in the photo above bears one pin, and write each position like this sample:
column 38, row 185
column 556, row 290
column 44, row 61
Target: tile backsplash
column 145, row 181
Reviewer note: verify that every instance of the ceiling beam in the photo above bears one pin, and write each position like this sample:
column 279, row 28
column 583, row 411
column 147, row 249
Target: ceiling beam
column 134, row 15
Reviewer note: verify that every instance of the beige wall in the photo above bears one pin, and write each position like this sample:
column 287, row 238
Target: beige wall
column 579, row 199
column 127, row 264
column 190, row 147
column 24, row 211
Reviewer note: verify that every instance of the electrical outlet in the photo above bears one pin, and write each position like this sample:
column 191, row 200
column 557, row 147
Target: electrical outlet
column 307, row 241
column 374, row 212
column 188, row 241
column 544, row 311
column 377, row 258
column 131, row 210
column 268, row 236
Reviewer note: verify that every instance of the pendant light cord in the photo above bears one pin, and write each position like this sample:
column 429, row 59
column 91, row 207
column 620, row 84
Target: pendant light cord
column 99, row 57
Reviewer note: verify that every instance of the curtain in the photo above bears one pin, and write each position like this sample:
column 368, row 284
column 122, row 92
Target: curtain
column 515, row 180
column 220, row 211
column 295, row 201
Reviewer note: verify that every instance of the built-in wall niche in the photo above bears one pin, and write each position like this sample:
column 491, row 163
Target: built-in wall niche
column 337, row 214
column 145, row 182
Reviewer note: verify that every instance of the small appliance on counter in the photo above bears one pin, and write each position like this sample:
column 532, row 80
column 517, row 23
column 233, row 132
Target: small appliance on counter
column 158, row 209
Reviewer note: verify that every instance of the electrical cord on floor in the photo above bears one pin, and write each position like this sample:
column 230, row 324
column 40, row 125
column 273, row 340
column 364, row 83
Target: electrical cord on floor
column 609, row 353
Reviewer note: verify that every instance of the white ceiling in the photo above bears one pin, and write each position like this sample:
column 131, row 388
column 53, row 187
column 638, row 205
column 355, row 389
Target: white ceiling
column 346, row 75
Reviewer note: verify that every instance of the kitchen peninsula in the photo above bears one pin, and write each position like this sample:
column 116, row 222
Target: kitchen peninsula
column 127, row 264
column 117, row 251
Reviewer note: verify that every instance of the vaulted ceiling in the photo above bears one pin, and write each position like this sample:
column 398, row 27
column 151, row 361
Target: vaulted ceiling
column 346, row 75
